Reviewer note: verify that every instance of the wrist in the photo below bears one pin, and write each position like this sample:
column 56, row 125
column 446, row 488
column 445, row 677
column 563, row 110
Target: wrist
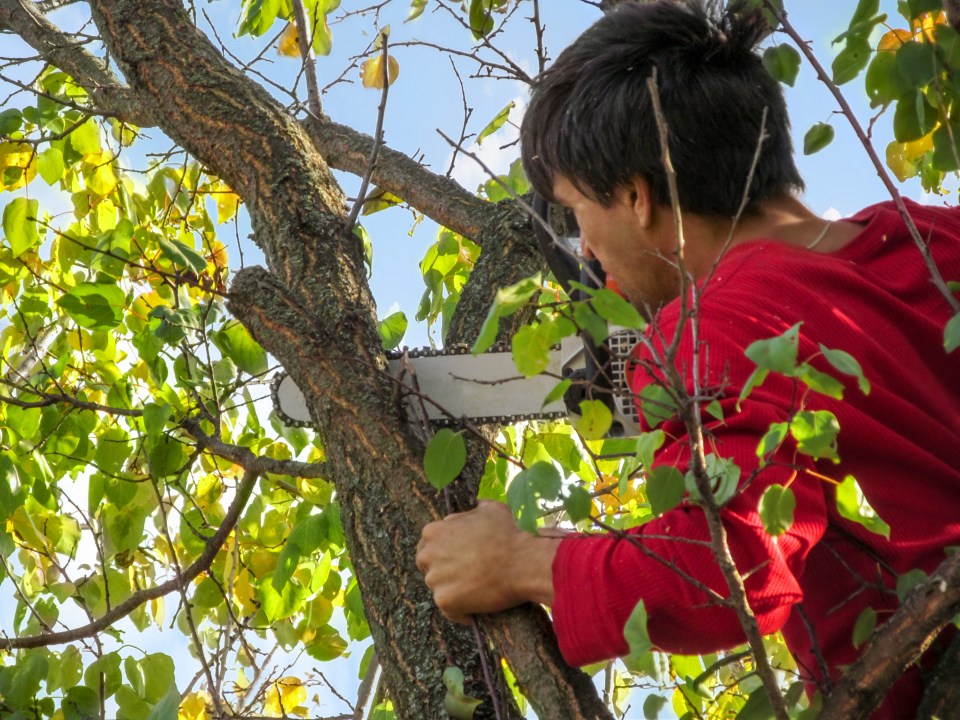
column 532, row 567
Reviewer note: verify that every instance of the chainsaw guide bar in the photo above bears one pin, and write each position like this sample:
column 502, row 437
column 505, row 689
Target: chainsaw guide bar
column 453, row 386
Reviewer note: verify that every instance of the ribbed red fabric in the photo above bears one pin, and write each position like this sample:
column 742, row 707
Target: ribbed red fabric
column 873, row 299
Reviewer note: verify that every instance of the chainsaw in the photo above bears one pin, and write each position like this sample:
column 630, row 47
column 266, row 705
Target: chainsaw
column 452, row 386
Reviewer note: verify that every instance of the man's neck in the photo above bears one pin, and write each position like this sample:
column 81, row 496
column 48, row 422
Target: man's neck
column 783, row 219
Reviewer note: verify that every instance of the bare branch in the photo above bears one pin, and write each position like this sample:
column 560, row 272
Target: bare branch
column 305, row 31
column 377, row 135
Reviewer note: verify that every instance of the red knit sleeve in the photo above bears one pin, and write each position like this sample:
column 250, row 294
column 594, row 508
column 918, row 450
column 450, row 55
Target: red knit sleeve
column 599, row 578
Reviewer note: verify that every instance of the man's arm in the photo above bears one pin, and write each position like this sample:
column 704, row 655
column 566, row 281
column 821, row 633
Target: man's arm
column 481, row 562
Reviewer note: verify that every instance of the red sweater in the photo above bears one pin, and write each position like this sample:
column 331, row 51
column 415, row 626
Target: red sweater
column 873, row 299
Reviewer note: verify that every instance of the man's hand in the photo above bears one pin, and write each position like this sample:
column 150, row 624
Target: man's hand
column 481, row 562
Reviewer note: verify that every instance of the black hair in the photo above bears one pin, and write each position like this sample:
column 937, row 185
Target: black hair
column 591, row 118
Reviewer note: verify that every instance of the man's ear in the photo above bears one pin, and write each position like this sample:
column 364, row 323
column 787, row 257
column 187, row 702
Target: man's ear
column 641, row 199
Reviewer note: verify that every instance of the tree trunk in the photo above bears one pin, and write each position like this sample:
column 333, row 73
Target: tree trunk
column 313, row 311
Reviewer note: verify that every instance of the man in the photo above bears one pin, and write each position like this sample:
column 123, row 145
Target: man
column 590, row 142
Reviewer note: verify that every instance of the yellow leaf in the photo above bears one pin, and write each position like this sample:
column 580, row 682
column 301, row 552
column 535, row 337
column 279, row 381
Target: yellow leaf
column 228, row 202
column 15, row 155
column 284, row 697
column 371, row 72
column 289, row 44
column 892, row 40
column 194, row 706
column 925, row 25
column 898, row 162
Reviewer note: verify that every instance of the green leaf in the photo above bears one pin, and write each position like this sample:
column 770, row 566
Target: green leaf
column 913, row 118
column 864, row 626
column 531, row 347
column 166, row 456
column 155, row 419
column 391, row 330
column 277, row 605
column 816, row 433
column 652, row 706
column 647, row 444
column 908, row 581
column 851, row 60
column 817, row 138
column 778, row 354
column 95, row 306
column 456, row 702
column 539, row 481
column 725, row 475
column 481, row 21
column 951, row 334
column 10, row 121
column 656, row 405
column 756, row 379
column 617, row 310
column 852, row 505
column 578, row 504
column 595, row 420
column 168, row 707
column 819, row 381
column 776, row 508
column 771, row 441
column 844, row 362
column 866, row 9
column 917, row 63
column 158, row 677
column 81, row 703
column 507, row 301
column 306, row 537
column 883, row 81
column 640, row 658
column 258, row 16
column 757, row 706
column 496, row 123
column 50, row 165
column 444, row 458
column 559, row 390
column 783, row 63
column 236, row 342
column 86, row 138
column 665, row 488
column 20, row 683
column 20, row 224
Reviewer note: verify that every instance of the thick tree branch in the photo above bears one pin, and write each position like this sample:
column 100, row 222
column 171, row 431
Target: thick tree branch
column 440, row 198
column 63, row 51
column 896, row 644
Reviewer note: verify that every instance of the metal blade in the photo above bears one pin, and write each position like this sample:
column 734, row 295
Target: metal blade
column 453, row 385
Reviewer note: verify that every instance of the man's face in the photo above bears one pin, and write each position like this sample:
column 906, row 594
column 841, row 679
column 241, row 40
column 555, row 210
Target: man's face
column 624, row 240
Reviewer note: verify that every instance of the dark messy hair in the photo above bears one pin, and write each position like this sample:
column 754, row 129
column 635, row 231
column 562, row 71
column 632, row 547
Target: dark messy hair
column 591, row 118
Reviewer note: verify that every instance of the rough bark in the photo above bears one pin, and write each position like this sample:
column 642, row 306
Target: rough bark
column 941, row 694
column 896, row 644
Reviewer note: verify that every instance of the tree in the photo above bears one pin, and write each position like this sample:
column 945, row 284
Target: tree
column 134, row 347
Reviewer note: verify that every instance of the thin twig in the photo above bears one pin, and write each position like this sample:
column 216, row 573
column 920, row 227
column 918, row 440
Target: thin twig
column 377, row 137
column 691, row 418
column 305, row 40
